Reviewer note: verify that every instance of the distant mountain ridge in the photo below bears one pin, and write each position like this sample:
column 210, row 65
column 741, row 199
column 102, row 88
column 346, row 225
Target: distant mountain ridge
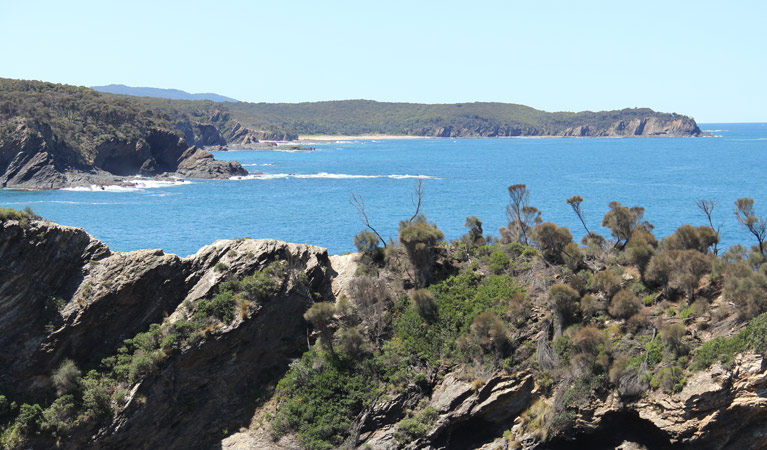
column 173, row 94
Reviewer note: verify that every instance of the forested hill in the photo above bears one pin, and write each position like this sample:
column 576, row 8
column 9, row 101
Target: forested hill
column 358, row 117
column 282, row 121
column 173, row 94
column 55, row 135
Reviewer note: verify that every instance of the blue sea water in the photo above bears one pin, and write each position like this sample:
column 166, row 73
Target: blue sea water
column 304, row 196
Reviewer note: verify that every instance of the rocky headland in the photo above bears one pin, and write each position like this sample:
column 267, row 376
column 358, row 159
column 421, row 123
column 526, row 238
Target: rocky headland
column 55, row 136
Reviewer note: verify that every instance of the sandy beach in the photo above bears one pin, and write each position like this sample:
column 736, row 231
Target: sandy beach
column 365, row 137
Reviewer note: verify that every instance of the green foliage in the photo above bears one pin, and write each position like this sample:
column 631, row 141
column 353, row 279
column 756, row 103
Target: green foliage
column 80, row 118
column 498, row 262
column 564, row 300
column 552, row 240
column 412, row 428
column 221, row 306
column 320, row 397
column 458, row 300
column 359, row 117
column 23, row 217
column 65, row 377
column 723, row 349
column 366, row 241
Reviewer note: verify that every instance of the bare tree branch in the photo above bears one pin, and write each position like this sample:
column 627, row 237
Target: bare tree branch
column 707, row 207
column 417, row 198
column 359, row 204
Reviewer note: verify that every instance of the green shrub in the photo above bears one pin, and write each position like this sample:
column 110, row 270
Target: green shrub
column 320, row 397
column 416, row 427
column 723, row 349
column 498, row 262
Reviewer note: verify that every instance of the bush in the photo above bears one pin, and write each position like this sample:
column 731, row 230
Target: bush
column 221, row 307
column 624, row 304
column 564, row 300
column 607, row 282
column 319, row 398
column 723, row 349
column 416, row 427
column 498, row 262
column 65, row 377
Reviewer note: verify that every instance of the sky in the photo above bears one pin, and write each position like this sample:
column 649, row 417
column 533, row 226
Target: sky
column 705, row 59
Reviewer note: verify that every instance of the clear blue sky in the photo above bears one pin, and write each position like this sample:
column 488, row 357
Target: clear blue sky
column 705, row 59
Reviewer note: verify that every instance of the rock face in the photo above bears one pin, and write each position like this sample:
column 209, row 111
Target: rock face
column 32, row 157
column 678, row 126
column 64, row 295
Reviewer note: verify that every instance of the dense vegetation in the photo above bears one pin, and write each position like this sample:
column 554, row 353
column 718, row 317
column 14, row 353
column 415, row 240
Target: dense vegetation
column 79, row 118
column 631, row 314
column 359, row 117
column 84, row 118
column 628, row 314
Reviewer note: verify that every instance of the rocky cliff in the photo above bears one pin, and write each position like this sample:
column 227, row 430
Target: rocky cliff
column 54, row 136
column 65, row 296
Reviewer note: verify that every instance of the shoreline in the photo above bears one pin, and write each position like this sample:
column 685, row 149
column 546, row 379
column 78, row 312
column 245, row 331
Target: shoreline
column 363, row 137
column 384, row 137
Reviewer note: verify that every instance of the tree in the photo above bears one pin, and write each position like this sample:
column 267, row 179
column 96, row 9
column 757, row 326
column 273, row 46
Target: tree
column 622, row 221
column 564, row 300
column 321, row 316
column 419, row 237
column 474, row 236
column 359, row 204
column 707, row 207
column 520, row 214
column 552, row 240
column 640, row 249
column 744, row 211
column 366, row 242
column 689, row 267
column 688, row 237
column 575, row 202
column 624, row 304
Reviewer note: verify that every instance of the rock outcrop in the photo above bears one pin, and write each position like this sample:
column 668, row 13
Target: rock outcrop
column 64, row 295
column 678, row 126
column 33, row 157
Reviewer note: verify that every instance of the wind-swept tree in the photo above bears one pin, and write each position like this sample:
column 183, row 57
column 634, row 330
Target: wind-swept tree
column 622, row 221
column 575, row 203
column 522, row 217
column 707, row 207
column 744, row 211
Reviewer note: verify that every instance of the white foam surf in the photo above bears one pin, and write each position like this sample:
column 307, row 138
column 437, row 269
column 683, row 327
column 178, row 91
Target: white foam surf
column 325, row 175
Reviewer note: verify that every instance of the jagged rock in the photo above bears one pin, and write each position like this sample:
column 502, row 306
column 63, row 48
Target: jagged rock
column 38, row 263
column 33, row 157
column 108, row 297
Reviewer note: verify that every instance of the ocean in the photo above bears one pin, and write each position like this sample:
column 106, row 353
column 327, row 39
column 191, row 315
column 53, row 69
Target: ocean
column 303, row 197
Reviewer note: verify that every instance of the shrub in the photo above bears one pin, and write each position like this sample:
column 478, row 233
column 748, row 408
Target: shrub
column 366, row 242
column 416, row 427
column 498, row 262
column 552, row 240
column 607, row 282
column 624, row 304
column 423, row 300
column 221, row 307
column 65, row 377
column 564, row 300
column 319, row 398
